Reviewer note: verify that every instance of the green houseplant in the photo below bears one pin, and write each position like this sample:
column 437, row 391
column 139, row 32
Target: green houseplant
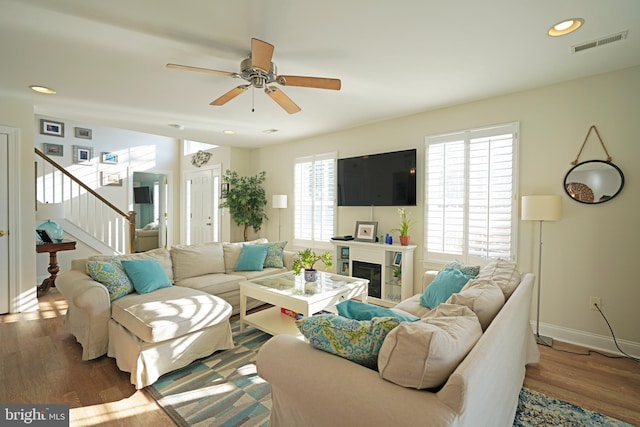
column 246, row 199
column 405, row 224
column 306, row 259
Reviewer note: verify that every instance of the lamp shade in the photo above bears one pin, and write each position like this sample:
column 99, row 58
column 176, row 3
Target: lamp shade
column 279, row 201
column 48, row 211
column 541, row 208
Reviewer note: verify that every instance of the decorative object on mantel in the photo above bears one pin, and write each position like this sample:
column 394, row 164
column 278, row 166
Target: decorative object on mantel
column 306, row 259
column 366, row 231
column 200, row 158
column 593, row 181
column 405, row 224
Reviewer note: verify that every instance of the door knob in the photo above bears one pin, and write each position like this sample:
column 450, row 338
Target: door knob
column 2, row 233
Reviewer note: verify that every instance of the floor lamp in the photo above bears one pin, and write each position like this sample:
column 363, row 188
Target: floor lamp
column 279, row 202
column 541, row 208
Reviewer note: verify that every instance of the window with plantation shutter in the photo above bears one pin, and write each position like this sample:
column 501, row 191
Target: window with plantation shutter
column 470, row 194
column 314, row 199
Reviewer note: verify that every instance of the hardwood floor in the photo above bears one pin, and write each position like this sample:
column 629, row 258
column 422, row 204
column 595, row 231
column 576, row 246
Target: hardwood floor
column 41, row 363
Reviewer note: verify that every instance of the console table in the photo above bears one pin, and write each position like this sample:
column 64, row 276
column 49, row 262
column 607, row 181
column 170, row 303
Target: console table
column 52, row 249
column 381, row 260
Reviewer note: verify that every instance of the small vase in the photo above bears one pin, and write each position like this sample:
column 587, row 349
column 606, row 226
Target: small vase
column 310, row 275
column 404, row 240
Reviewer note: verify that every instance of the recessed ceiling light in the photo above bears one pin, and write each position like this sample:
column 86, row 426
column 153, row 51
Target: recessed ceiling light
column 177, row 126
column 229, row 132
column 565, row 27
column 42, row 89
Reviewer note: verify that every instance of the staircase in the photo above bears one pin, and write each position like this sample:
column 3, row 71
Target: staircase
column 88, row 217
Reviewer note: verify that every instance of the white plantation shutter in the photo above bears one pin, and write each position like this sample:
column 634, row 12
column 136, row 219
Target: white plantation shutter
column 314, row 198
column 470, row 194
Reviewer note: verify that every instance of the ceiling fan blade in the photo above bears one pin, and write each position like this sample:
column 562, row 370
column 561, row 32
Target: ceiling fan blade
column 261, row 54
column 230, row 95
column 202, row 70
column 282, row 100
column 316, row 82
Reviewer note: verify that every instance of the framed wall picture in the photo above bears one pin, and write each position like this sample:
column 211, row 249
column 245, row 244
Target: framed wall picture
column 397, row 259
column 82, row 155
column 53, row 149
column 366, row 231
column 49, row 127
column 83, row 133
column 110, row 158
column 110, row 179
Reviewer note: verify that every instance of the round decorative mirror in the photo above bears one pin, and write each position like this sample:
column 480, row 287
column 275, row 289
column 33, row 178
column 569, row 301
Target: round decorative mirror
column 594, row 181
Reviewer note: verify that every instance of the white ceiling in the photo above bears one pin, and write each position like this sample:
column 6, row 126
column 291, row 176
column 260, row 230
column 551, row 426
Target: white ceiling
column 106, row 59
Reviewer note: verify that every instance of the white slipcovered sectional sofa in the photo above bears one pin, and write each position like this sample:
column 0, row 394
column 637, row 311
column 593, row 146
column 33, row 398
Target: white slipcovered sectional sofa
column 462, row 364
column 153, row 333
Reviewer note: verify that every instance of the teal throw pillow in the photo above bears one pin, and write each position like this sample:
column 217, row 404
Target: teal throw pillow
column 251, row 258
column 471, row 270
column 355, row 340
column 357, row 310
column 447, row 282
column 147, row 275
column 274, row 254
column 112, row 276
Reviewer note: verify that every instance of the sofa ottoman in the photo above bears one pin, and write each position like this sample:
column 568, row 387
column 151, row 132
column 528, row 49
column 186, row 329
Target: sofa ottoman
column 158, row 332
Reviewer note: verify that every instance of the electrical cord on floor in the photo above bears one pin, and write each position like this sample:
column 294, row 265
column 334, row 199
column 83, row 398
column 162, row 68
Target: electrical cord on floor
column 614, row 336
column 589, row 351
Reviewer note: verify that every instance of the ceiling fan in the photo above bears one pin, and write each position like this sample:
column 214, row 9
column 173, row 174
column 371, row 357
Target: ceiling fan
column 259, row 71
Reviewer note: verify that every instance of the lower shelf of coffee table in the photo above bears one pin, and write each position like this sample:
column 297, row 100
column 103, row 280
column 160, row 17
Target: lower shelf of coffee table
column 273, row 322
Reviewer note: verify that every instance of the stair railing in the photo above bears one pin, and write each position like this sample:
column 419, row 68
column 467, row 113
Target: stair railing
column 83, row 206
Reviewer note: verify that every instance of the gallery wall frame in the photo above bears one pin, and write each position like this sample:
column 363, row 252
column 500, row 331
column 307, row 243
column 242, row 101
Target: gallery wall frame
column 110, row 179
column 50, row 127
column 83, row 133
column 82, row 155
column 53, row 149
column 109, row 158
column 366, row 231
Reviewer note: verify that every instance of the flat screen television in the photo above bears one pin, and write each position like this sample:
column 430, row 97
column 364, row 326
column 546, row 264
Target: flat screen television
column 386, row 179
column 141, row 195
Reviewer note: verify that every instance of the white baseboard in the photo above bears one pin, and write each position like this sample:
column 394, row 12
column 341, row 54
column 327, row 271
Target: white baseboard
column 586, row 339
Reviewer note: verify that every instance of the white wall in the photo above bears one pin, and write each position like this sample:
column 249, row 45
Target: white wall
column 19, row 114
column 137, row 152
column 591, row 252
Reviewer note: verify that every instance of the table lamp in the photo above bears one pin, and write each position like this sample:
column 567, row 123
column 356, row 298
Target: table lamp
column 49, row 212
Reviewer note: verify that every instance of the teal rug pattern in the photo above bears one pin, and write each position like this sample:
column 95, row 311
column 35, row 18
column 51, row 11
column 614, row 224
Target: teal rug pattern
column 225, row 390
column 538, row 409
column 220, row 390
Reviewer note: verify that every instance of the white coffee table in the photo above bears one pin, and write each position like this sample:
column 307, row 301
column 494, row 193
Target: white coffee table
column 290, row 291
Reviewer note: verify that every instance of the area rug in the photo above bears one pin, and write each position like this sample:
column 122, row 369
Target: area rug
column 225, row 390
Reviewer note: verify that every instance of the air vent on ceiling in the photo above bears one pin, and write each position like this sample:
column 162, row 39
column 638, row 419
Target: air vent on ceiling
column 600, row 42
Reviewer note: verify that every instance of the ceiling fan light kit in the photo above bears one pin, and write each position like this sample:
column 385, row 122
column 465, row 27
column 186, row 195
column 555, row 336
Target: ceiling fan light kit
column 259, row 72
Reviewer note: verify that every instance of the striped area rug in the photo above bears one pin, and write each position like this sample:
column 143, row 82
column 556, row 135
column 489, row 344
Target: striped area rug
column 220, row 390
column 225, row 390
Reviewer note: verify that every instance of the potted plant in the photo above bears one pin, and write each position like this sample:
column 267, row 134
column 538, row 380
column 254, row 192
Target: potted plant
column 405, row 224
column 397, row 274
column 306, row 259
column 246, row 199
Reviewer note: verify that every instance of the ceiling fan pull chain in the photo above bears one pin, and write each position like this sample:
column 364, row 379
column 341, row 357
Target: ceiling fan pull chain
column 253, row 99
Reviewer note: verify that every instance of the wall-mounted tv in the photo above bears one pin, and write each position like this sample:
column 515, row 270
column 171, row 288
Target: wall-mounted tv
column 141, row 195
column 386, row 179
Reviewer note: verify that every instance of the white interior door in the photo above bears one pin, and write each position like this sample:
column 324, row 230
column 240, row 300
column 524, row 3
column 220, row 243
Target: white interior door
column 4, row 223
column 200, row 207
